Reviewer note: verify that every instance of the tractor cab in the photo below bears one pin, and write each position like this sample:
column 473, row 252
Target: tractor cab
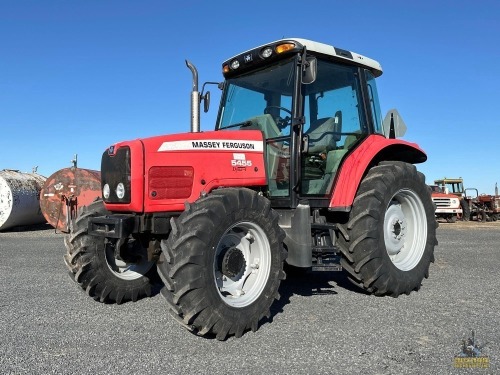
column 308, row 100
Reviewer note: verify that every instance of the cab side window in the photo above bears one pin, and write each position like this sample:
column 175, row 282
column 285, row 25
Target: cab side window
column 374, row 102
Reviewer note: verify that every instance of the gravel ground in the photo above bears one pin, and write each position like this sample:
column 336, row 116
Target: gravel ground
column 321, row 325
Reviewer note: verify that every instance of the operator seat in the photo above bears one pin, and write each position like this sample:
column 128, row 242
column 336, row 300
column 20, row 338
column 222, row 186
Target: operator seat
column 334, row 157
column 323, row 185
column 322, row 137
column 324, row 133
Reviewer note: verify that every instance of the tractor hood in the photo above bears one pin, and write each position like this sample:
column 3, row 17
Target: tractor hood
column 161, row 173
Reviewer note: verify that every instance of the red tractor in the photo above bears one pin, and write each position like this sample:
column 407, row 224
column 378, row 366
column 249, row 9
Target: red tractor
column 300, row 169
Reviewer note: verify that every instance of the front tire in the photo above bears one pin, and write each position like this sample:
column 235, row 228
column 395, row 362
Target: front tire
column 451, row 219
column 92, row 264
column 223, row 263
column 391, row 233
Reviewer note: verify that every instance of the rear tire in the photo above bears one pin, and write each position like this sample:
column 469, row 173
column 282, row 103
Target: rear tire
column 484, row 216
column 92, row 265
column 223, row 263
column 465, row 210
column 391, row 232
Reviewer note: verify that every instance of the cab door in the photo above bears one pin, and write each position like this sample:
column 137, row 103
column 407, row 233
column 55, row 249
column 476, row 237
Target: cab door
column 335, row 122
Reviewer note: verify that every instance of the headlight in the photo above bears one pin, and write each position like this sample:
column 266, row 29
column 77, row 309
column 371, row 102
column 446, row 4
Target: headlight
column 105, row 191
column 454, row 202
column 120, row 190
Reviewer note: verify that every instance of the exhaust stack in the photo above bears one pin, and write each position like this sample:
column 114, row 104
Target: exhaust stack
column 195, row 100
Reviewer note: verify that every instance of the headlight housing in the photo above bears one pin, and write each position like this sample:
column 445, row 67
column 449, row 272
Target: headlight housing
column 116, row 174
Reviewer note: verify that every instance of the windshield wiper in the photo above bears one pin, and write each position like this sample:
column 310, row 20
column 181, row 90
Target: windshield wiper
column 240, row 124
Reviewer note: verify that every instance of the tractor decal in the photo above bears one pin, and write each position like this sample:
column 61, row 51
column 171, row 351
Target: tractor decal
column 219, row 144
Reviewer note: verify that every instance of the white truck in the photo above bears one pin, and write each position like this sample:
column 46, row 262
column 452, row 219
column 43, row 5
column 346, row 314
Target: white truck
column 447, row 205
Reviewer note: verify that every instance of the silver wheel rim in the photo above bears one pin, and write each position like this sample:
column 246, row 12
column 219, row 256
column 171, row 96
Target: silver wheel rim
column 242, row 264
column 405, row 229
column 127, row 271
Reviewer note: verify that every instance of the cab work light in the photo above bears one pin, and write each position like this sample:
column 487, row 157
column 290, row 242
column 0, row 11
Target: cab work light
column 235, row 64
column 266, row 52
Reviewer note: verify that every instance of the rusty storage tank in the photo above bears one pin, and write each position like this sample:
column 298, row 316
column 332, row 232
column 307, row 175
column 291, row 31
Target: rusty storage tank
column 65, row 191
column 20, row 199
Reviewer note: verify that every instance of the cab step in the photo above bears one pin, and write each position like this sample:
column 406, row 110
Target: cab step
column 325, row 259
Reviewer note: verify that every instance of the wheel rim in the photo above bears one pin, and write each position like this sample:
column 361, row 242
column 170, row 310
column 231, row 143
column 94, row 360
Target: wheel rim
column 242, row 264
column 405, row 229
column 126, row 270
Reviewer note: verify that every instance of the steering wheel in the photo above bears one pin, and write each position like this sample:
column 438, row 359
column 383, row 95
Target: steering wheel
column 280, row 121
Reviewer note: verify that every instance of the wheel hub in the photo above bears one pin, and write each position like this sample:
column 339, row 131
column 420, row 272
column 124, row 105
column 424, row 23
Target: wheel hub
column 397, row 229
column 132, row 267
column 394, row 229
column 233, row 262
column 405, row 229
column 242, row 264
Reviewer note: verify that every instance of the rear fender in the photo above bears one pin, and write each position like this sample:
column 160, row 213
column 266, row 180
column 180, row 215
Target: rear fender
column 370, row 152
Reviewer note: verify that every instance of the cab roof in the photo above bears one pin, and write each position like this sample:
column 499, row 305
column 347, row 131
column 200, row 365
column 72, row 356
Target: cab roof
column 326, row 50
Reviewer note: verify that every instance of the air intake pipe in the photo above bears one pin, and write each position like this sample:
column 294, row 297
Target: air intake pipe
column 195, row 100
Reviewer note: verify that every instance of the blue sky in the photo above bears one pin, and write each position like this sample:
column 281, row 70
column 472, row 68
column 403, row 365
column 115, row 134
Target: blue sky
column 77, row 76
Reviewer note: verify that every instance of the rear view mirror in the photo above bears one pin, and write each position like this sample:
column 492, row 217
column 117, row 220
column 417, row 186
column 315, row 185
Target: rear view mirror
column 205, row 98
column 310, row 70
column 206, row 102
column 393, row 125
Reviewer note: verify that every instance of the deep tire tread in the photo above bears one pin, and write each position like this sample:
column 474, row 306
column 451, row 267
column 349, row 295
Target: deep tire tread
column 189, row 285
column 363, row 250
column 87, row 268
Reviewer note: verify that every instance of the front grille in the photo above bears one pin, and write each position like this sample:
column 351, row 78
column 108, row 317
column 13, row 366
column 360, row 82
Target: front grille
column 170, row 182
column 115, row 169
column 442, row 202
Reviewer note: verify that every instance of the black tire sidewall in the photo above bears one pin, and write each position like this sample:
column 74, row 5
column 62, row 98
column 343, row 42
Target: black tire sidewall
column 465, row 210
column 415, row 275
column 101, row 262
column 189, row 266
column 365, row 254
column 95, row 276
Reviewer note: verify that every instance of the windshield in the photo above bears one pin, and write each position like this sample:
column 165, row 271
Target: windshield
column 260, row 100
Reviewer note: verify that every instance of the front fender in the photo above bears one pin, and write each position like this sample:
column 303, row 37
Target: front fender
column 371, row 151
